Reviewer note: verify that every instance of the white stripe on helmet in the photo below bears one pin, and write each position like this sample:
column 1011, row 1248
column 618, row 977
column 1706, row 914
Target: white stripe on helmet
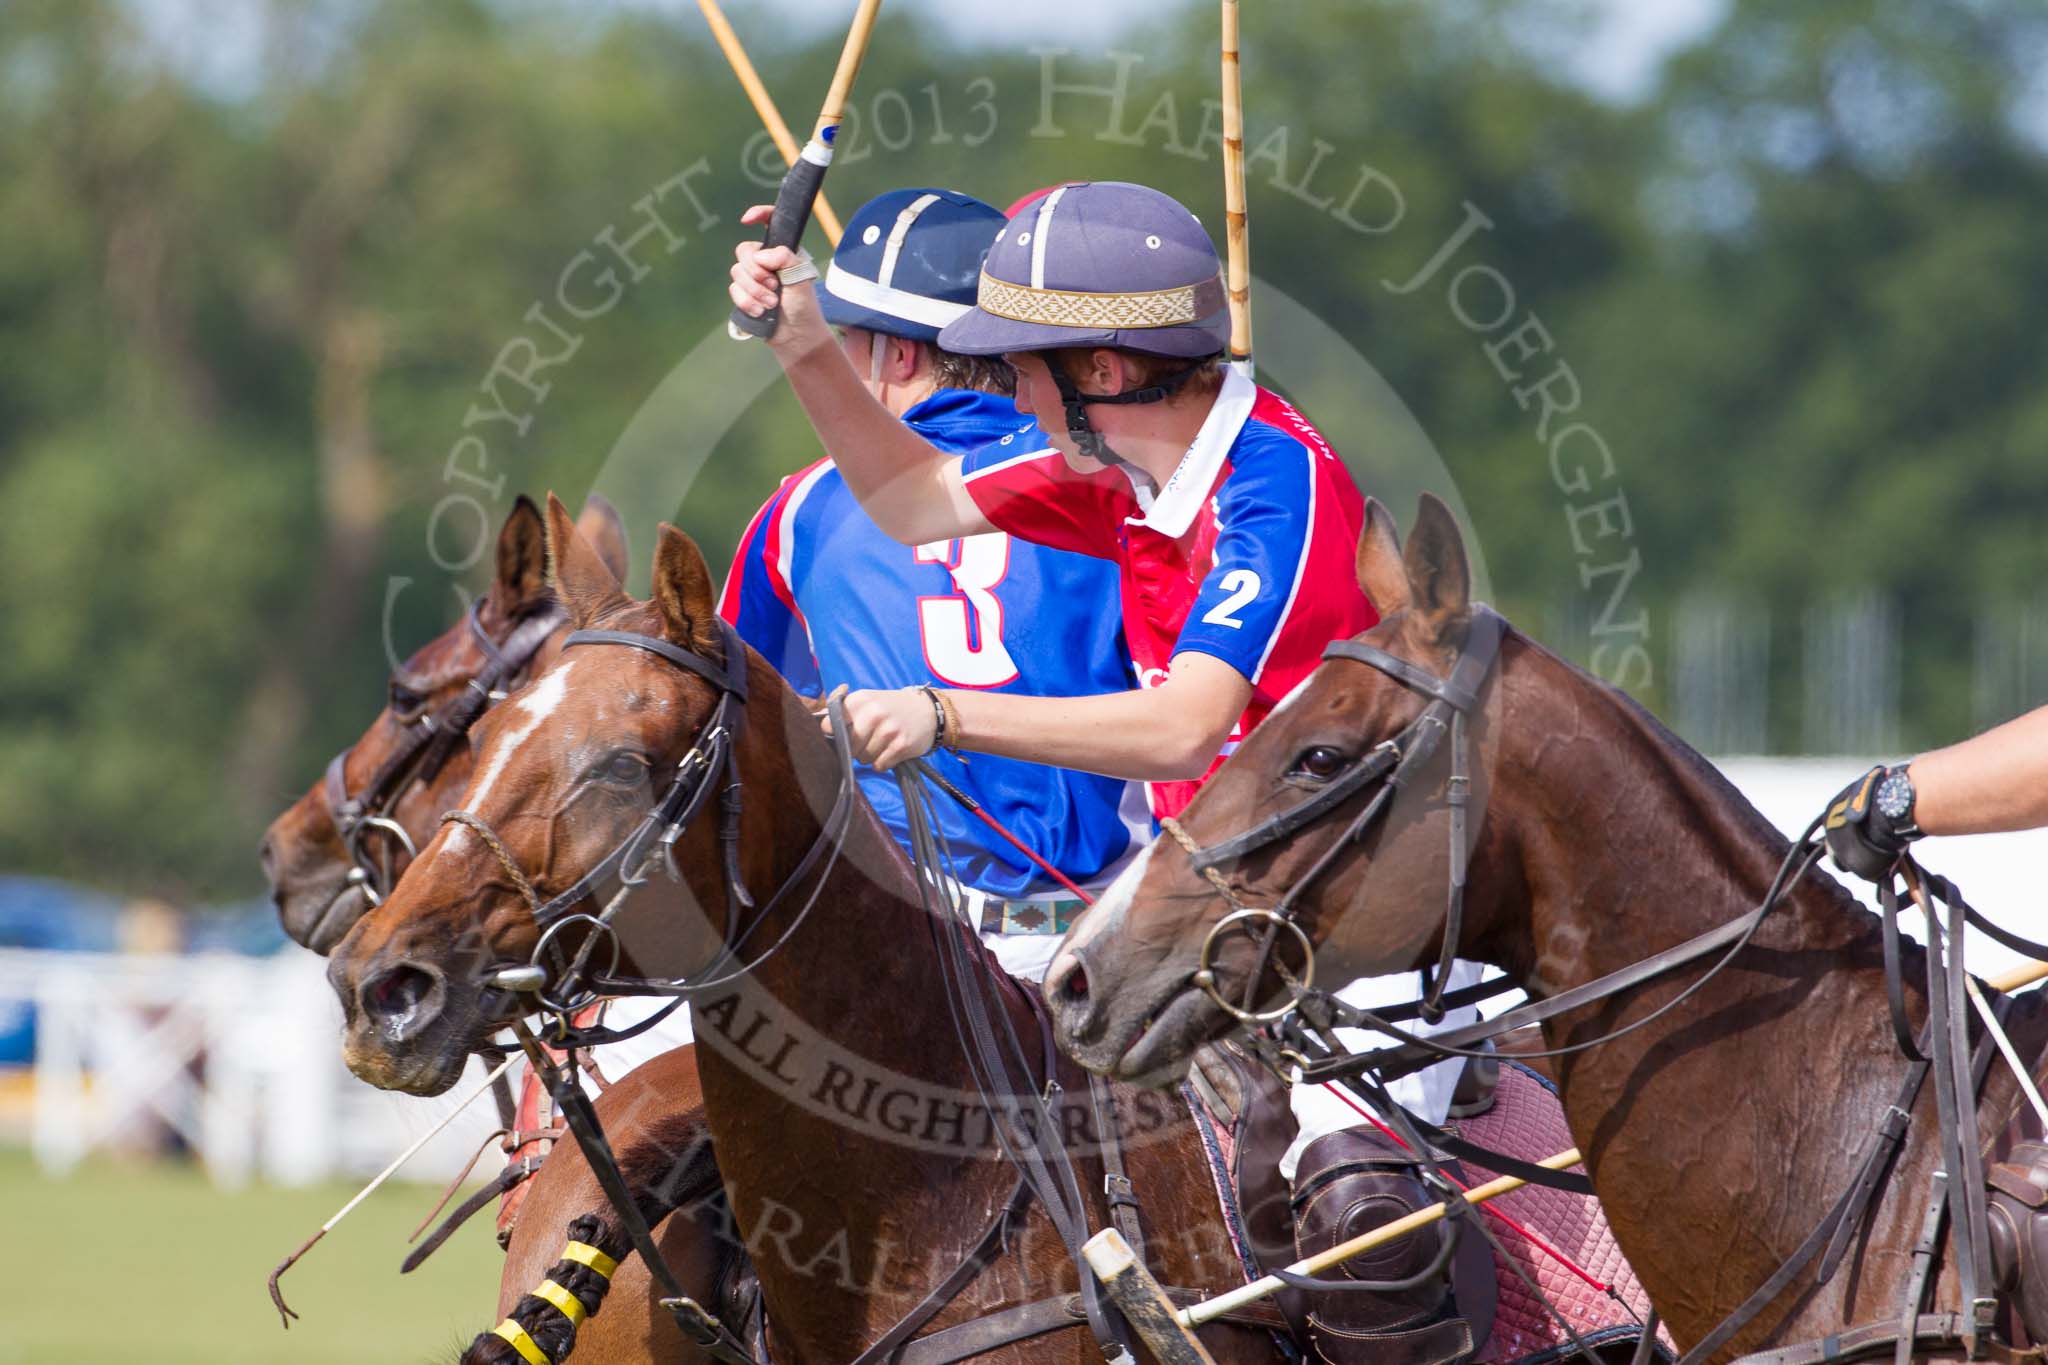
column 897, row 303
column 1038, row 235
column 886, row 276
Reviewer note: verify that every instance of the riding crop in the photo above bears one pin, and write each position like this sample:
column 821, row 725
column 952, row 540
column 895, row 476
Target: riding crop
column 806, row 176
column 764, row 105
column 285, row 1313
column 1235, row 225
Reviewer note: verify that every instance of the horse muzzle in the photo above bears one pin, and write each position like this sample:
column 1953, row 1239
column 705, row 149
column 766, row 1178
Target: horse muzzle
column 400, row 1032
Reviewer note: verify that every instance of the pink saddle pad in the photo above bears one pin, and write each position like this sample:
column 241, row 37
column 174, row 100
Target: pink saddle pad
column 1527, row 1122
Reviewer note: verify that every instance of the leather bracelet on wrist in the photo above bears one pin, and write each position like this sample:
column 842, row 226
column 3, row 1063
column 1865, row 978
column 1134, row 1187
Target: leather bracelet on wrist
column 945, row 720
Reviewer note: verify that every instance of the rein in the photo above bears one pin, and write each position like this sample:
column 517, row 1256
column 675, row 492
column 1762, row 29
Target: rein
column 431, row 740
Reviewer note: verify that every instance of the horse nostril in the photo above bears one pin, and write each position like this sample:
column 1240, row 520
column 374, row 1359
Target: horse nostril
column 396, row 995
column 266, row 856
column 1075, row 987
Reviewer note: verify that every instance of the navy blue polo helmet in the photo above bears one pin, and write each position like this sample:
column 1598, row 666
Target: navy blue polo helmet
column 909, row 263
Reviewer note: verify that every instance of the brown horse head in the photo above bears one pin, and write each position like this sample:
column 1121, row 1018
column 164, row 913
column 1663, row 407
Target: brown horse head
column 320, row 884
column 1122, row 989
column 562, row 772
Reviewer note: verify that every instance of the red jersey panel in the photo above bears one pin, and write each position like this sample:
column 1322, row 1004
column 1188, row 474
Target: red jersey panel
column 1246, row 554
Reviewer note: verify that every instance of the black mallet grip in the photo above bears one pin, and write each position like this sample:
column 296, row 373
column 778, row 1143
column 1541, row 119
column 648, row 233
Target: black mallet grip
column 786, row 226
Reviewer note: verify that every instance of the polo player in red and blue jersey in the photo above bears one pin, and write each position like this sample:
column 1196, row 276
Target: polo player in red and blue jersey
column 1233, row 527
column 830, row 599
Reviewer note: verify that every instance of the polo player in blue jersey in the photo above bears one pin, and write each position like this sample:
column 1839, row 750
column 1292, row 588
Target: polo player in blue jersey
column 830, row 599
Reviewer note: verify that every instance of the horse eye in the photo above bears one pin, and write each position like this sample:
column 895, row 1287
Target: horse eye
column 624, row 766
column 1321, row 763
column 405, row 703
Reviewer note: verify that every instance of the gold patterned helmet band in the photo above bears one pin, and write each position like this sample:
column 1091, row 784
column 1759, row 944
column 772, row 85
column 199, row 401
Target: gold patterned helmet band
column 1081, row 310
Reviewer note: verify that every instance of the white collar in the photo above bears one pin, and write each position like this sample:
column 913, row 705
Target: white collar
column 1173, row 508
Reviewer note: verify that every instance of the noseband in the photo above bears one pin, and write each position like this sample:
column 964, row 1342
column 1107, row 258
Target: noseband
column 430, row 740
column 710, row 765
column 1392, row 764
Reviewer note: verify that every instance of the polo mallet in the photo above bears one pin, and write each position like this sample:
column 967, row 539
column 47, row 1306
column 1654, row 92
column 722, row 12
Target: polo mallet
column 1236, row 229
column 1143, row 1303
column 764, row 105
column 807, row 173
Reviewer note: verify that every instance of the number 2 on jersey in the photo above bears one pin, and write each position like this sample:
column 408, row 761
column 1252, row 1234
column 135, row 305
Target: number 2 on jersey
column 963, row 630
column 1243, row 586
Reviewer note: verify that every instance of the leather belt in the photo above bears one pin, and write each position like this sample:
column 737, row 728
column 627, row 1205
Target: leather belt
column 1011, row 918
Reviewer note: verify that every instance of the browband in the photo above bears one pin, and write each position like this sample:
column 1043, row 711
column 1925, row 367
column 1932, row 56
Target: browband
column 1461, row 690
column 732, row 677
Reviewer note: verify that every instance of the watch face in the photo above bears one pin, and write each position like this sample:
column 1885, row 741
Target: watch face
column 1894, row 796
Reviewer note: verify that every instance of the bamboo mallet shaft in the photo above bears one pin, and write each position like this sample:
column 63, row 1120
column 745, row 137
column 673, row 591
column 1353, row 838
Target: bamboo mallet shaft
column 764, row 105
column 849, row 67
column 1210, row 1309
column 1143, row 1303
column 1236, row 228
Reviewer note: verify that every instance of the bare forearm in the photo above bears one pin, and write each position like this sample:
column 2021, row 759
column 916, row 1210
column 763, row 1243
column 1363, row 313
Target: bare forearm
column 1995, row 781
column 1119, row 734
column 895, row 473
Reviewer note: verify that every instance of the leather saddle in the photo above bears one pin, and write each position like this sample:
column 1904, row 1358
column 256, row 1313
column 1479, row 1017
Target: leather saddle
column 1251, row 1105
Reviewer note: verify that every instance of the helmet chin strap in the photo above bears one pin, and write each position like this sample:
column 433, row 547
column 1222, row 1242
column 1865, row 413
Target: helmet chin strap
column 1091, row 442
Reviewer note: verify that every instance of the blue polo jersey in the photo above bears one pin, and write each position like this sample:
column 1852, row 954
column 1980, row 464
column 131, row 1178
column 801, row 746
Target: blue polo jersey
column 828, row 598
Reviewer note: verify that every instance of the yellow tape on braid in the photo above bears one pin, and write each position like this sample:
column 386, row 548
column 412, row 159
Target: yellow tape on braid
column 585, row 1254
column 571, row 1307
column 526, row 1346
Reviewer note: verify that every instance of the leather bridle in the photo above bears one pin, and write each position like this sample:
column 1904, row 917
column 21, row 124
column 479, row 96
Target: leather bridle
column 711, row 765
column 431, row 739
column 1392, row 764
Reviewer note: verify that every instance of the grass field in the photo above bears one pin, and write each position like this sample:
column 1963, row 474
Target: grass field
column 124, row 1263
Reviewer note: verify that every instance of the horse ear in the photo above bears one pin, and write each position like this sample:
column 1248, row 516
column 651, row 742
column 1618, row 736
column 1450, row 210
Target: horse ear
column 522, row 559
column 1439, row 578
column 682, row 589
column 1381, row 576
column 582, row 583
column 602, row 526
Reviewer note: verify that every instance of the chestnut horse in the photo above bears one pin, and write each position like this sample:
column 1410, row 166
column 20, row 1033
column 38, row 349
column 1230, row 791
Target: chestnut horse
column 854, row 1152
column 1717, row 1135
column 309, row 861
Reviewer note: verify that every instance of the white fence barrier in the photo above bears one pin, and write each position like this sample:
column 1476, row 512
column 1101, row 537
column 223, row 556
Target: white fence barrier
column 236, row 1057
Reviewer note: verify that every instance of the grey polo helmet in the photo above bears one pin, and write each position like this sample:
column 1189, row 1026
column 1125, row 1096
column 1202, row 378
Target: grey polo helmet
column 1100, row 263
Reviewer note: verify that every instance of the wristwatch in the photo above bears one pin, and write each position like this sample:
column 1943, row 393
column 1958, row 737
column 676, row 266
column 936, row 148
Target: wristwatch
column 1894, row 801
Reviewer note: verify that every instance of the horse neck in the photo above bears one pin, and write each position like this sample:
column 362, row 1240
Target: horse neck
column 863, row 964
column 1630, row 843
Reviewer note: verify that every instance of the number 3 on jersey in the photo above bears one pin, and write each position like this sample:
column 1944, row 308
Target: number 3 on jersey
column 963, row 630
